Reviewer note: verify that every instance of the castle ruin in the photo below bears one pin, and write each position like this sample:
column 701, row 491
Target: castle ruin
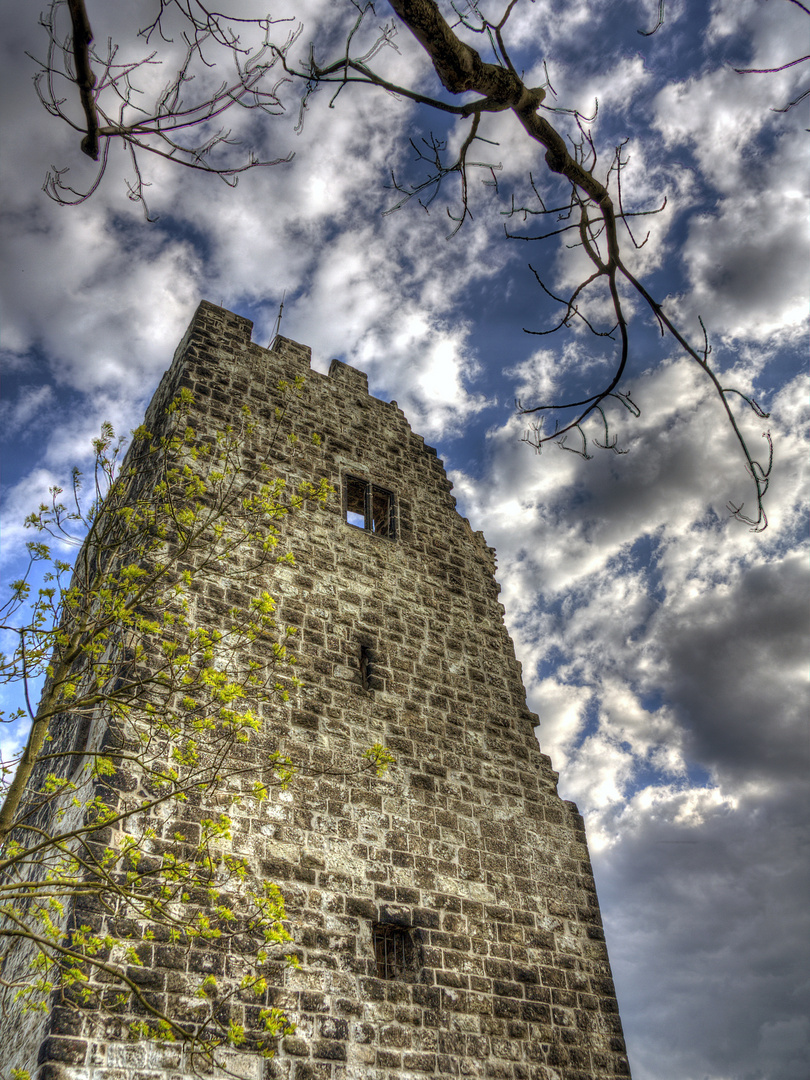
column 444, row 915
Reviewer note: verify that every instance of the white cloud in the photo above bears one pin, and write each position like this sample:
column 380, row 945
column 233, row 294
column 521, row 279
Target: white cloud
column 704, row 612
column 32, row 400
column 667, row 665
column 745, row 258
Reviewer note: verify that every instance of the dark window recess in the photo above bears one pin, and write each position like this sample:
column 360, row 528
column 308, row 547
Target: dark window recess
column 369, row 507
column 366, row 666
column 394, row 952
column 370, row 665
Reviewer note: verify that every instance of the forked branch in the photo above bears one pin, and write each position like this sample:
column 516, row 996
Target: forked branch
column 178, row 125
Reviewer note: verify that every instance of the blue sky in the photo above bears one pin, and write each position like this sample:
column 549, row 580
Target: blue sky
column 664, row 647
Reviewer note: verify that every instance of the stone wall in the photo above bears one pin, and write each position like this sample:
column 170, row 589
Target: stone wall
column 462, row 861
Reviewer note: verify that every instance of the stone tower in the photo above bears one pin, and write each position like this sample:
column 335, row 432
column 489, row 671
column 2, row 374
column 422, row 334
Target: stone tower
column 444, row 915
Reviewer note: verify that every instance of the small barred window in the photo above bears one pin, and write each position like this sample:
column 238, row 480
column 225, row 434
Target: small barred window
column 394, row 952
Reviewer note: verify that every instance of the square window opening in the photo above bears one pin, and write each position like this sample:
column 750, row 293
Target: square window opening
column 370, row 507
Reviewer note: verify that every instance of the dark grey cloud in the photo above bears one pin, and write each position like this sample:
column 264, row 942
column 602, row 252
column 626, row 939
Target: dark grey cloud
column 737, row 664
column 712, row 940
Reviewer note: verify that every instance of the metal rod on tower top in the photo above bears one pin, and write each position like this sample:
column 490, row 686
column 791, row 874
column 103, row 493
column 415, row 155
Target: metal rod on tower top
column 278, row 320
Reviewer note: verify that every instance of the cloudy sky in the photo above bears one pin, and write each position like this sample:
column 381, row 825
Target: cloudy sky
column 664, row 646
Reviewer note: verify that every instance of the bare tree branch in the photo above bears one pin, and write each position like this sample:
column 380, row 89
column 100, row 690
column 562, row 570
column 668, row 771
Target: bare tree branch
column 783, row 67
column 183, row 129
column 110, row 101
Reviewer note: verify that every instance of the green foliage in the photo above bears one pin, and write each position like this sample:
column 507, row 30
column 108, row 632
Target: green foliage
column 379, row 758
column 107, row 837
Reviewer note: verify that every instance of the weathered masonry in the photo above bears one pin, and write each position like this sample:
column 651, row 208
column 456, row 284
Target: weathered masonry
column 444, row 915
